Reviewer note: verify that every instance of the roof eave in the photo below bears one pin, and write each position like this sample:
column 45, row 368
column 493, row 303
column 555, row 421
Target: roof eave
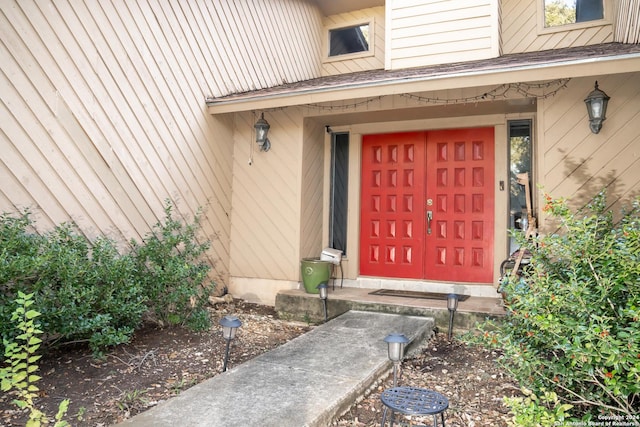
column 535, row 72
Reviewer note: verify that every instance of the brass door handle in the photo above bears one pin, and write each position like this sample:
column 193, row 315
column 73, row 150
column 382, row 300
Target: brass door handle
column 429, row 219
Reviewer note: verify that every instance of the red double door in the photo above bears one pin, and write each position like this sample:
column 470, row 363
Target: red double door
column 427, row 209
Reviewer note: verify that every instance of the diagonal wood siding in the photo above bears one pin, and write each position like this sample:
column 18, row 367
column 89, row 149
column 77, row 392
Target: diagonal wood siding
column 577, row 163
column 522, row 29
column 102, row 106
column 265, row 239
column 336, row 65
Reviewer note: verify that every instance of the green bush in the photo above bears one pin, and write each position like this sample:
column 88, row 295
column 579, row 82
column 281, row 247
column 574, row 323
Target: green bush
column 84, row 292
column 572, row 322
column 175, row 276
column 90, row 292
column 543, row 411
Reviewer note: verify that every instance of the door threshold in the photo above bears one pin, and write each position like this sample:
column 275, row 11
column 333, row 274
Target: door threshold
column 484, row 290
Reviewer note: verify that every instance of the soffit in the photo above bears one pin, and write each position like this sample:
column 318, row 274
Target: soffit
column 334, row 7
column 610, row 58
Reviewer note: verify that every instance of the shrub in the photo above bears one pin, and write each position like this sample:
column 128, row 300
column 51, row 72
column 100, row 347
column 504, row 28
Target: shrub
column 84, row 292
column 572, row 322
column 175, row 275
column 19, row 263
column 87, row 291
column 543, row 411
column 90, row 292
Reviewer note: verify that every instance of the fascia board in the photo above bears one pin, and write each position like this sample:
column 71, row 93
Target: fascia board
column 473, row 78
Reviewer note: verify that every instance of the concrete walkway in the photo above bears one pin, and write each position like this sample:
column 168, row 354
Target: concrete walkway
column 306, row 382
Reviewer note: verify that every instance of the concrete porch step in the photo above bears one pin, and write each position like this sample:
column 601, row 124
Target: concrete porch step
column 296, row 304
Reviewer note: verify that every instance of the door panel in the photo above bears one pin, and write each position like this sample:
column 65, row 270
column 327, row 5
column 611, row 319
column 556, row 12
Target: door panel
column 392, row 223
column 427, row 205
column 460, row 177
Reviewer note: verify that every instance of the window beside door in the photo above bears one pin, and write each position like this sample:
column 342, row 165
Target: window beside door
column 339, row 195
column 520, row 161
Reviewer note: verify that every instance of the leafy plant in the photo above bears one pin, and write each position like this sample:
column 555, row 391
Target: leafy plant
column 85, row 291
column 132, row 399
column 572, row 322
column 90, row 292
column 21, row 357
column 543, row 411
column 175, row 275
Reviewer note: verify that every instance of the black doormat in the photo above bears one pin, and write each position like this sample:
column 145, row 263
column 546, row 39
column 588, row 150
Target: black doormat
column 415, row 294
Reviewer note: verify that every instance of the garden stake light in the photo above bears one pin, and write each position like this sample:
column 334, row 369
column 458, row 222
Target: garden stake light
column 395, row 349
column 323, row 288
column 452, row 306
column 229, row 325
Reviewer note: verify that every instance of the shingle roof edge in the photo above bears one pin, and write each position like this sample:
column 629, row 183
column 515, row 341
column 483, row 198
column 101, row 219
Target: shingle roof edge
column 492, row 65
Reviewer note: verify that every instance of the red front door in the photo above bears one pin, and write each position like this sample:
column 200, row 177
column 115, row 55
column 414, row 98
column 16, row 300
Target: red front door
column 427, row 205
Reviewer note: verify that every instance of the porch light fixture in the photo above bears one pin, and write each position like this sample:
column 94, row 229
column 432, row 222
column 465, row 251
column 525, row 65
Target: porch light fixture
column 395, row 349
column 262, row 129
column 452, row 306
column 323, row 290
column 229, row 326
column 596, row 102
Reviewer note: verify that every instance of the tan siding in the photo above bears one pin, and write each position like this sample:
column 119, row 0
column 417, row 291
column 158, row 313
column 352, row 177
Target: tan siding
column 522, row 29
column 312, row 214
column 577, row 163
column 264, row 231
column 265, row 235
column 256, row 41
column 375, row 61
column 277, row 201
column 426, row 32
column 103, row 117
column 627, row 26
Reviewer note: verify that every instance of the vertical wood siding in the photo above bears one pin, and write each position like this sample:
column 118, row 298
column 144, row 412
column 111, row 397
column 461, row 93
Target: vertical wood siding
column 521, row 30
column 577, row 163
column 102, row 110
column 426, row 32
column 627, row 22
column 373, row 62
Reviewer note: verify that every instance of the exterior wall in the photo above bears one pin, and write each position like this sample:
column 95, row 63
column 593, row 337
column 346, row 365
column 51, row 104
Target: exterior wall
column 427, row 32
column 575, row 163
column 265, row 234
column 312, row 234
column 103, row 114
column 372, row 61
column 523, row 31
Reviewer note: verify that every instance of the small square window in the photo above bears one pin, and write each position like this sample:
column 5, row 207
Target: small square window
column 348, row 40
column 563, row 12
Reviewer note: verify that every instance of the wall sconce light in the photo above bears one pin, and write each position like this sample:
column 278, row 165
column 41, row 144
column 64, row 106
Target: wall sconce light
column 323, row 290
column 596, row 102
column 395, row 350
column 262, row 129
column 452, row 306
column 229, row 326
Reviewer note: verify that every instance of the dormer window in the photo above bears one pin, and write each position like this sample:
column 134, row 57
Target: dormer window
column 564, row 12
column 350, row 40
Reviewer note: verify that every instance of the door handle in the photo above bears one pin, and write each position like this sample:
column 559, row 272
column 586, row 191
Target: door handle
column 429, row 219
